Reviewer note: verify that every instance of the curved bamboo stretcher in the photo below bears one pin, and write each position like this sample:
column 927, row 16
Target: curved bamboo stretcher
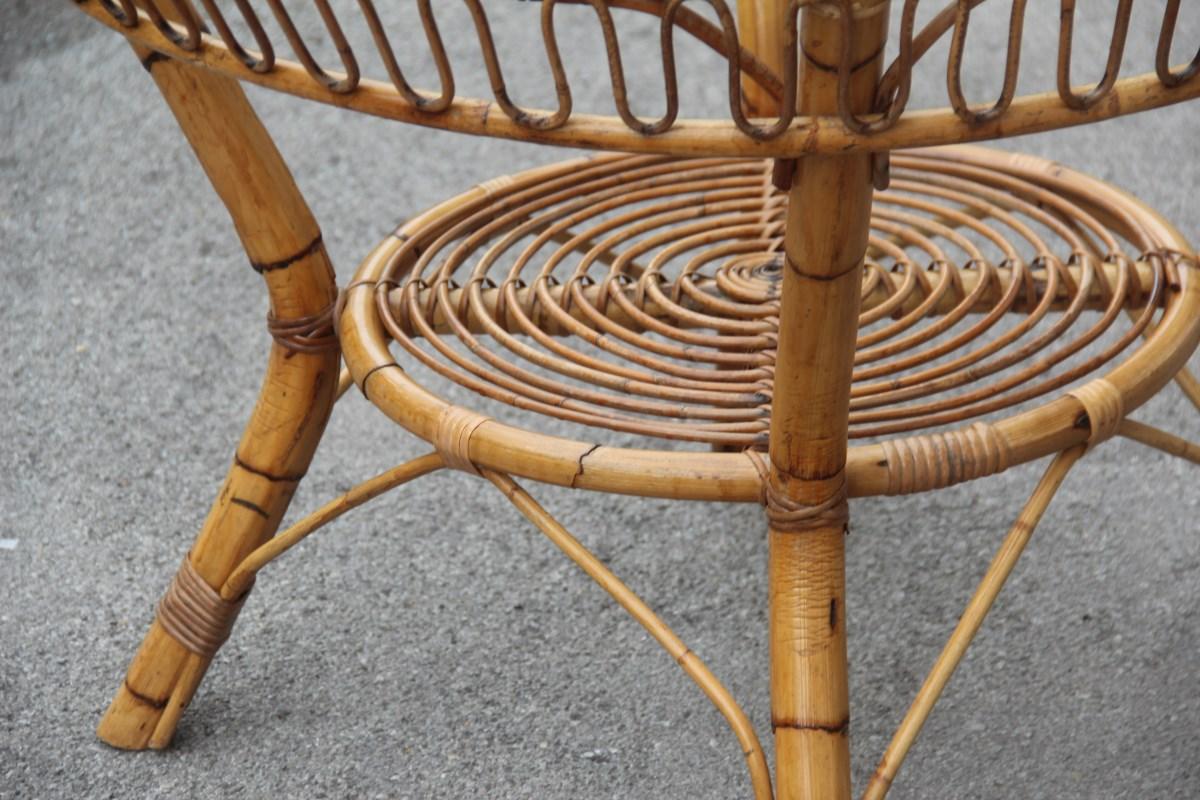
column 796, row 337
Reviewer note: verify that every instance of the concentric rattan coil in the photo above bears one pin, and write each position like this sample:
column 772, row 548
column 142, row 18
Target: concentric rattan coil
column 641, row 295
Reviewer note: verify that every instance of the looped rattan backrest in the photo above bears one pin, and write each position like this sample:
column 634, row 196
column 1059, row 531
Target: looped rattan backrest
column 359, row 35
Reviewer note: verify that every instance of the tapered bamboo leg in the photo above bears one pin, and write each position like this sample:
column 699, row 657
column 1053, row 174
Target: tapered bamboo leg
column 283, row 242
column 825, row 241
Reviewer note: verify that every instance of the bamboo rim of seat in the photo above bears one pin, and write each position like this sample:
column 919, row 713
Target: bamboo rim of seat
column 871, row 469
column 890, row 126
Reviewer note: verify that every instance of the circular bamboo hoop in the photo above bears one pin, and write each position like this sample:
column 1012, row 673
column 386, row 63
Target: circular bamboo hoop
column 686, row 355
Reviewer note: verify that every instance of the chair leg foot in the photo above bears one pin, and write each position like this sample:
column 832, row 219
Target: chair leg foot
column 159, row 685
column 171, row 661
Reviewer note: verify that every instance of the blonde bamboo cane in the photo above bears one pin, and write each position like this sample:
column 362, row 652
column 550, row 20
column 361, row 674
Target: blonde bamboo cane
column 283, row 241
column 828, row 218
column 689, row 662
column 1160, row 440
column 970, row 622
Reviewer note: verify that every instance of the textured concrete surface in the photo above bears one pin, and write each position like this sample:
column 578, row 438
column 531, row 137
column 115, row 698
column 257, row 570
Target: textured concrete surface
column 432, row 645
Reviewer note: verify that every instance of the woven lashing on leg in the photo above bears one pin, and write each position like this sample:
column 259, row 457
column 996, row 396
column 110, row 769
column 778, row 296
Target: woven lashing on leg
column 452, row 438
column 932, row 461
column 791, row 516
column 311, row 334
column 194, row 614
column 1104, row 406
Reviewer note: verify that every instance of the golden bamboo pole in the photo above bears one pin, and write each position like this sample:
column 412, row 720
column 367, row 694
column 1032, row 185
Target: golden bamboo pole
column 688, row 661
column 829, row 208
column 283, row 242
column 972, row 618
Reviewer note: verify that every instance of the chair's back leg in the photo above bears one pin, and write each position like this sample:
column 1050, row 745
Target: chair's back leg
column 283, row 242
column 826, row 237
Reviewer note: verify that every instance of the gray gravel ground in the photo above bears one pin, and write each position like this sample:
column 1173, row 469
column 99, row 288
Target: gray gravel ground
column 423, row 648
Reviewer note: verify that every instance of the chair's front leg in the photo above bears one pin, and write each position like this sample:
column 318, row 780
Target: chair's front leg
column 283, row 242
column 826, row 236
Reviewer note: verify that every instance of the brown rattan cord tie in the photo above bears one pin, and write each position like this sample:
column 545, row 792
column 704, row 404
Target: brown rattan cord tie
column 1105, row 409
column 194, row 614
column 311, row 334
column 452, row 438
column 933, row 461
column 791, row 516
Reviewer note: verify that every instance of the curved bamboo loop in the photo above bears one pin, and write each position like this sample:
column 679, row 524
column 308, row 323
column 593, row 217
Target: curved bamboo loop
column 242, row 577
column 695, row 669
column 970, row 621
column 1162, row 57
column 1081, row 101
column 1012, row 64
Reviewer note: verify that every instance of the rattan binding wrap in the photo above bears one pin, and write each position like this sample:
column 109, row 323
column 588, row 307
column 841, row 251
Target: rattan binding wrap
column 1105, row 409
column 791, row 516
column 453, row 438
column 315, row 333
column 194, row 614
column 933, row 461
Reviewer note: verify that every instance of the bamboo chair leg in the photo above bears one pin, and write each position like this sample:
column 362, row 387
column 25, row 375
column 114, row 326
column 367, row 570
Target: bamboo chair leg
column 283, row 243
column 718, row 695
column 825, row 241
column 970, row 622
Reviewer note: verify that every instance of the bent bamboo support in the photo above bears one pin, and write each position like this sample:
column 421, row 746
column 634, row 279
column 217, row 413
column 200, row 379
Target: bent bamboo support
column 689, row 662
column 283, row 242
column 1160, row 440
column 970, row 622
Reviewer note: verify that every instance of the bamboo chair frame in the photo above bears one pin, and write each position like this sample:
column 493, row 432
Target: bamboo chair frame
column 830, row 132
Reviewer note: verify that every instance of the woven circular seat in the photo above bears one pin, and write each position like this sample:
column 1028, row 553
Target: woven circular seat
column 640, row 294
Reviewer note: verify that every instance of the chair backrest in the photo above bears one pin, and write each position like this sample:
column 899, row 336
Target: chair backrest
column 759, row 55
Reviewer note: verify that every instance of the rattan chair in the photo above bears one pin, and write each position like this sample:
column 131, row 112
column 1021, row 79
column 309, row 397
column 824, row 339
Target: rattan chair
column 787, row 306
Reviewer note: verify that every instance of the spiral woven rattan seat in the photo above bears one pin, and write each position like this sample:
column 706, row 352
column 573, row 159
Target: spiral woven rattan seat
column 639, row 295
